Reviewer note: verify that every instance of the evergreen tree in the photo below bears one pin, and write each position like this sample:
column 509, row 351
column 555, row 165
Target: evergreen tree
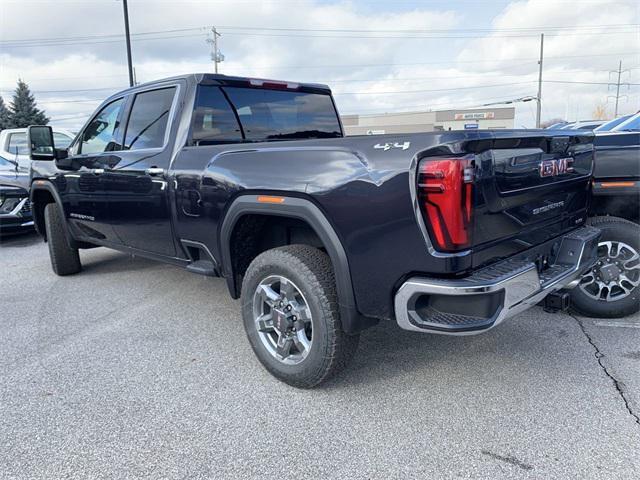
column 5, row 116
column 24, row 111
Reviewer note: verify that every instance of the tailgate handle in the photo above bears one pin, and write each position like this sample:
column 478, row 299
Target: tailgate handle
column 153, row 171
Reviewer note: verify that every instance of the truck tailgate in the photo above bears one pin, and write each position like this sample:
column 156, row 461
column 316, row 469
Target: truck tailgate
column 498, row 194
column 529, row 189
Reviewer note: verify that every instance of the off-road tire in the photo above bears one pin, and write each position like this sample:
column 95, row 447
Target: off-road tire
column 310, row 269
column 613, row 229
column 65, row 259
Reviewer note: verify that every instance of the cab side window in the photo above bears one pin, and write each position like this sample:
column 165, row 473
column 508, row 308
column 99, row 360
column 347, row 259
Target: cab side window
column 98, row 136
column 18, row 144
column 148, row 119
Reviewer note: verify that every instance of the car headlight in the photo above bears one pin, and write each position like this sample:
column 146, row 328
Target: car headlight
column 8, row 205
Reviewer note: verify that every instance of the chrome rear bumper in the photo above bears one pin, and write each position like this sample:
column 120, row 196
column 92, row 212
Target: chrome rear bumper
column 483, row 300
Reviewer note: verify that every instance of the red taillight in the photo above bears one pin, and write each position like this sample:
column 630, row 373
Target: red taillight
column 445, row 193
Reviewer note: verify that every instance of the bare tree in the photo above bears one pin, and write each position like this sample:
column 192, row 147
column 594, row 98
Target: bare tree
column 548, row 123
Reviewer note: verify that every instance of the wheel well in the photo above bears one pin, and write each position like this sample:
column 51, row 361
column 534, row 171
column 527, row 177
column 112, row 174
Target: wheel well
column 257, row 233
column 624, row 206
column 39, row 200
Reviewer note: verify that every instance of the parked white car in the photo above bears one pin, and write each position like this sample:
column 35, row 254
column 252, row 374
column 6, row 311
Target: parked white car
column 13, row 144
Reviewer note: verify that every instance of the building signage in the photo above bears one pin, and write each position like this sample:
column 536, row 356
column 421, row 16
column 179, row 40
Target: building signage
column 471, row 126
column 475, row 116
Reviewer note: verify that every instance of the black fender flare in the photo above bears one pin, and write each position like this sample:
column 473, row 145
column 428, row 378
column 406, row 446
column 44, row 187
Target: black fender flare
column 39, row 185
column 294, row 207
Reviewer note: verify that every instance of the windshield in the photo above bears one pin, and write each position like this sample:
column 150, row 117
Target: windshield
column 630, row 125
column 61, row 140
column 585, row 126
column 605, row 127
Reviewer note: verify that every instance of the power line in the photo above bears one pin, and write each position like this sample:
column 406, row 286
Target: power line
column 117, row 88
column 586, row 83
column 293, row 32
column 535, row 29
column 433, row 90
column 73, row 90
column 423, row 37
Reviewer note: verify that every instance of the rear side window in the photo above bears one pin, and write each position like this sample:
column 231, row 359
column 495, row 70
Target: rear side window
column 18, row 143
column 213, row 119
column 148, row 119
column 277, row 115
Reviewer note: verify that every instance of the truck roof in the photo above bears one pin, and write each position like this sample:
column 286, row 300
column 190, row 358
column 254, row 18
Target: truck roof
column 219, row 79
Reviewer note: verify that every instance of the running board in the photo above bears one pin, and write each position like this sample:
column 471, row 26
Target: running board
column 202, row 261
column 203, row 267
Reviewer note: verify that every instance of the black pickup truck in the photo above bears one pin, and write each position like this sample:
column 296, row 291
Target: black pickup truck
column 320, row 235
column 611, row 289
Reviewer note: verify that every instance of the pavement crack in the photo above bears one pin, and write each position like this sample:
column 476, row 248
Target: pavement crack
column 619, row 386
column 508, row 459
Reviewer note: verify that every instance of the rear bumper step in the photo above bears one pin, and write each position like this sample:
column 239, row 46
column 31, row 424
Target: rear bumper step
column 483, row 300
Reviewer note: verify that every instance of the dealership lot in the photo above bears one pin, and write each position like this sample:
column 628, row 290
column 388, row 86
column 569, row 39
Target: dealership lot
column 139, row 369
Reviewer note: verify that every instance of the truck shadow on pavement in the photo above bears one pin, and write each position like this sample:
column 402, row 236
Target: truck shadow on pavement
column 112, row 261
column 20, row 240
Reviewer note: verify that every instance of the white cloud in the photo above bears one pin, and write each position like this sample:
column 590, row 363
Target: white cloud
column 427, row 66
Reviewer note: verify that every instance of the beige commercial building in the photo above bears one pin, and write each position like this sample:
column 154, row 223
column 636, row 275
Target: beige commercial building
column 413, row 122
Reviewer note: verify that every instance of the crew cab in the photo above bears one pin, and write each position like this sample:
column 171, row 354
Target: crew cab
column 320, row 235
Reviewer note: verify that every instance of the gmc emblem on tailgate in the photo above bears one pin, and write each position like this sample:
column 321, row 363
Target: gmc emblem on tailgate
column 551, row 168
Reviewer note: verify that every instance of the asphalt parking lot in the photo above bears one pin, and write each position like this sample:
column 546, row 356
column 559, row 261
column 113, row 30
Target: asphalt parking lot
column 137, row 369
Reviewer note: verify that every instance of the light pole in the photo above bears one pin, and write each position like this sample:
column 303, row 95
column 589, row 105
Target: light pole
column 539, row 106
column 128, row 40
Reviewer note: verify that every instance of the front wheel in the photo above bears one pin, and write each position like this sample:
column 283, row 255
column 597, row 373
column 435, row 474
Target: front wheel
column 612, row 288
column 65, row 259
column 290, row 314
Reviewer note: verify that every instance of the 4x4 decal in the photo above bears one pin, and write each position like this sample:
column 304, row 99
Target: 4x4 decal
column 389, row 146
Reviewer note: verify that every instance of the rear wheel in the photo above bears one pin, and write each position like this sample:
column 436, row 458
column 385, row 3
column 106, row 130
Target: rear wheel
column 612, row 288
column 290, row 314
column 65, row 259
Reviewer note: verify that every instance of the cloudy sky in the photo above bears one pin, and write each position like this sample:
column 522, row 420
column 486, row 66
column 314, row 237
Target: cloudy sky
column 377, row 55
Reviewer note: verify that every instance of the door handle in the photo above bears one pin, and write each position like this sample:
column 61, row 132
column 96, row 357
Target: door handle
column 154, row 171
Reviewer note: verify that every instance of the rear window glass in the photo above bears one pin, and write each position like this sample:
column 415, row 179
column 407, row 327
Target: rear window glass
column 213, row 119
column 278, row 115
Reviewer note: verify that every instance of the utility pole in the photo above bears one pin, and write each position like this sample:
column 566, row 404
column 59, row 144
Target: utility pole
column 618, row 88
column 216, row 55
column 128, row 39
column 539, row 107
column 617, row 85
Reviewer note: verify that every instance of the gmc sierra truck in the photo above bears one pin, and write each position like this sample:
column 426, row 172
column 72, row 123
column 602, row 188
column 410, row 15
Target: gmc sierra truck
column 320, row 235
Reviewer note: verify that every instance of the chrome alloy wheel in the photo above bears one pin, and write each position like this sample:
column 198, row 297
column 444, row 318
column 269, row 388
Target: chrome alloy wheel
column 616, row 273
column 283, row 319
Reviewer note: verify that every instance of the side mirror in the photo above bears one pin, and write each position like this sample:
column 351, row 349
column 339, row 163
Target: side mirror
column 40, row 143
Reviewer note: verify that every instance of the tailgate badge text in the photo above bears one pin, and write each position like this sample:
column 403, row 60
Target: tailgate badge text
column 389, row 146
column 551, row 168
